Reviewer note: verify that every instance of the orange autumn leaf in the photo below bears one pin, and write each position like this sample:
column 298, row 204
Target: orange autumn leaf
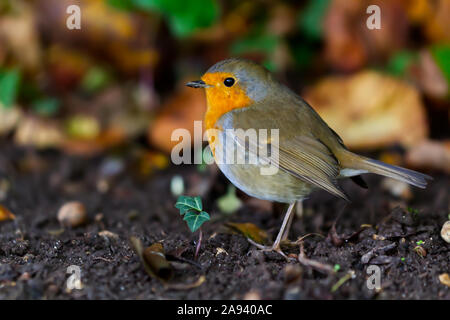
column 5, row 214
column 370, row 110
column 249, row 230
column 185, row 107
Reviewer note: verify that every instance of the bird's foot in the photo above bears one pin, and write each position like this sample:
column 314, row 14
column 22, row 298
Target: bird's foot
column 273, row 248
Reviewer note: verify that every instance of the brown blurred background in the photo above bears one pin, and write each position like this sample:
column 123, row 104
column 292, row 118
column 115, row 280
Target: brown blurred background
column 119, row 80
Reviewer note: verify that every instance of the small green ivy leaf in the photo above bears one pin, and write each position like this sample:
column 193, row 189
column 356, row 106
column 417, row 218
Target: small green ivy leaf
column 195, row 220
column 186, row 204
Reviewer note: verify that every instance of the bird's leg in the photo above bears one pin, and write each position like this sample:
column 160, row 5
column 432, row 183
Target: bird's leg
column 283, row 230
column 299, row 209
column 289, row 224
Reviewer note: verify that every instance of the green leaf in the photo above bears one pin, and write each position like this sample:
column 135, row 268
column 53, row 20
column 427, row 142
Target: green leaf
column 311, row 19
column 207, row 159
column 95, row 79
column 148, row 5
column 184, row 17
column 125, row 5
column 441, row 54
column 9, row 85
column 400, row 62
column 46, row 106
column 177, row 185
column 229, row 203
column 264, row 43
column 303, row 54
column 258, row 43
column 186, row 204
column 194, row 220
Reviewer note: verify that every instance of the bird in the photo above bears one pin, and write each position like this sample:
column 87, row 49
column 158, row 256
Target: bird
column 243, row 95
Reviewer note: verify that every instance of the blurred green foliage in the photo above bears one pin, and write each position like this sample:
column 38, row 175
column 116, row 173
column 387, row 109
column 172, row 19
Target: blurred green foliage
column 46, row 106
column 257, row 42
column 310, row 20
column 441, row 54
column 95, row 79
column 399, row 63
column 9, row 86
column 184, row 17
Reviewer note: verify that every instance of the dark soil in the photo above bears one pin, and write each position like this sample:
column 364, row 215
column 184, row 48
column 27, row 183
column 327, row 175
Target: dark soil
column 35, row 251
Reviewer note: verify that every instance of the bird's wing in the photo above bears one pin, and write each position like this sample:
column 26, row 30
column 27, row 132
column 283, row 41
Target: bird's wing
column 310, row 160
column 304, row 157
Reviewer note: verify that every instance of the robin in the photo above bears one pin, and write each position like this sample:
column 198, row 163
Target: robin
column 243, row 95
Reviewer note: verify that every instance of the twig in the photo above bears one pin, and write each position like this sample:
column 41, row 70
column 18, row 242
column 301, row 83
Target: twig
column 313, row 263
column 343, row 280
column 299, row 240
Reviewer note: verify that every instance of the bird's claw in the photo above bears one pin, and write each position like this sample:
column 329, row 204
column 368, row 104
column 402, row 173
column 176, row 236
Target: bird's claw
column 273, row 248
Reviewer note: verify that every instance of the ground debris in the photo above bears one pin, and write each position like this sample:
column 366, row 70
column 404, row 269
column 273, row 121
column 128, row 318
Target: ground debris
column 366, row 258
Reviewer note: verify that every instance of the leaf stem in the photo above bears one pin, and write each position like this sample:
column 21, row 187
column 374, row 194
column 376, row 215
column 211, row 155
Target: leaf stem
column 199, row 243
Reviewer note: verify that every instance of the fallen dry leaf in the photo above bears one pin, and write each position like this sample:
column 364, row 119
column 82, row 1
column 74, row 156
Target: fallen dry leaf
column 187, row 286
column 108, row 234
column 220, row 250
column 370, row 109
column 153, row 260
column 249, row 230
column 430, row 154
column 38, row 132
column 445, row 279
column 349, row 44
column 113, row 33
column 436, row 23
column 106, row 139
column 9, row 118
column 5, row 214
column 18, row 34
column 66, row 67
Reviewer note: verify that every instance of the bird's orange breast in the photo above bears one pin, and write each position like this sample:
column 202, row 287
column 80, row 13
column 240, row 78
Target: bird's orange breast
column 221, row 99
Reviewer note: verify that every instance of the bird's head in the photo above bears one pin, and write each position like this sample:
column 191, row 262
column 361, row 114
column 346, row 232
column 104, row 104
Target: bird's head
column 232, row 84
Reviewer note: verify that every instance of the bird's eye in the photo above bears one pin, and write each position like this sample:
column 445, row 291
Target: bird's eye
column 228, row 82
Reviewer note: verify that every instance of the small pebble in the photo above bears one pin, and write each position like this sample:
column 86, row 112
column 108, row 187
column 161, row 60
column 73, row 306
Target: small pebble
column 445, row 232
column 72, row 214
column 252, row 295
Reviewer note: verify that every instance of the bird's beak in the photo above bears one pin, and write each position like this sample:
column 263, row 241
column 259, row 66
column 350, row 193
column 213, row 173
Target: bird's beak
column 198, row 84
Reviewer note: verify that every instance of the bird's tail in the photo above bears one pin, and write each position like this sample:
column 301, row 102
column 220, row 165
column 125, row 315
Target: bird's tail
column 354, row 161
